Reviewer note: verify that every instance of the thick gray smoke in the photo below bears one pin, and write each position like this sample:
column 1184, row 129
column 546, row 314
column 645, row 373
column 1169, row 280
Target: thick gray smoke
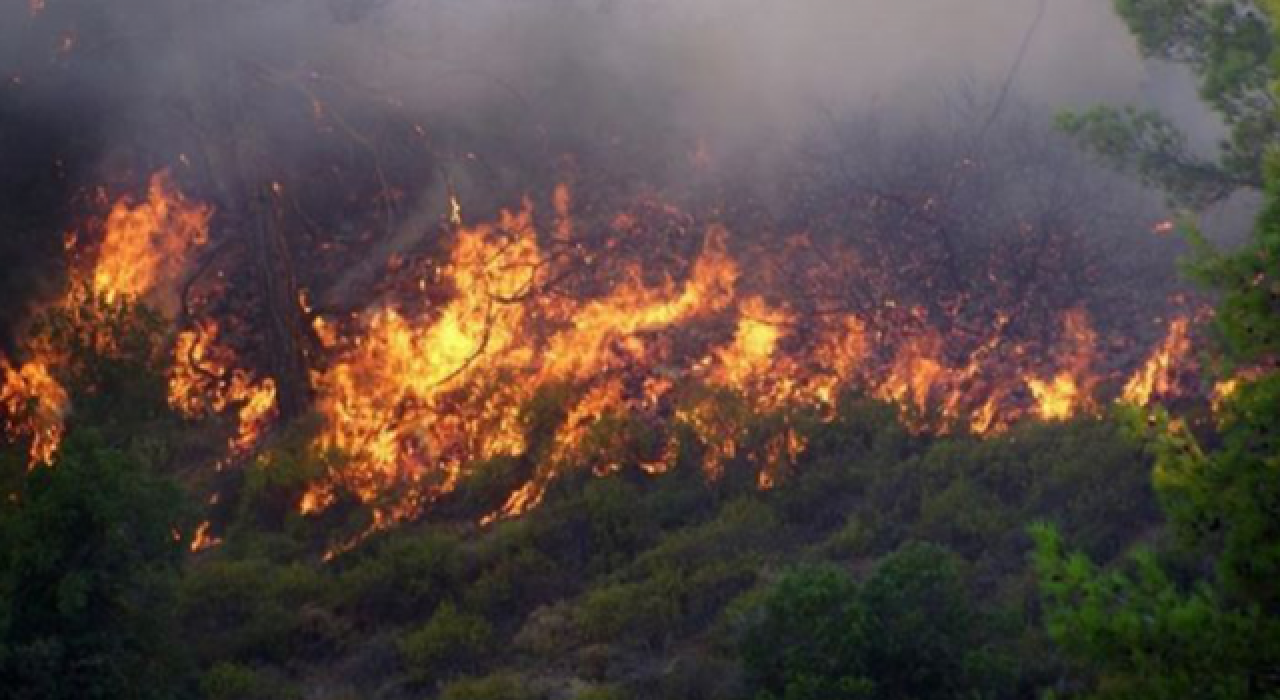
column 740, row 72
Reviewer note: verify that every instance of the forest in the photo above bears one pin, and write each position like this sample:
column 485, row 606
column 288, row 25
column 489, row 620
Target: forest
column 701, row 350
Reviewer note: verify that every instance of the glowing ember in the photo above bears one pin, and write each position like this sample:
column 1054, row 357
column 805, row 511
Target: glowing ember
column 203, row 540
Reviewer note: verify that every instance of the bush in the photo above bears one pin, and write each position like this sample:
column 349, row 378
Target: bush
column 401, row 576
column 452, row 640
column 809, row 639
column 88, row 559
column 644, row 613
column 909, row 632
column 500, row 686
column 601, row 692
column 227, row 681
column 514, row 575
column 255, row 611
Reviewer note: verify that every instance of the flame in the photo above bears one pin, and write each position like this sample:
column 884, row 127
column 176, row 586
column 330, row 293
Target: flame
column 1223, row 391
column 205, row 380
column 1158, row 378
column 915, row 372
column 415, row 393
column 1064, row 395
column 414, row 400
column 751, row 354
column 36, row 406
column 142, row 254
column 203, row 540
column 145, row 247
column 387, row 399
column 634, row 308
column 417, row 400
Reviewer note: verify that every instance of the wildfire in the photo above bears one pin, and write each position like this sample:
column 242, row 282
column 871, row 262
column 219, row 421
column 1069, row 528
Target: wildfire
column 416, row 401
column 35, row 405
column 1070, row 390
column 146, row 245
column 204, row 379
column 1159, row 376
column 751, row 353
column 203, row 540
column 143, row 251
column 646, row 363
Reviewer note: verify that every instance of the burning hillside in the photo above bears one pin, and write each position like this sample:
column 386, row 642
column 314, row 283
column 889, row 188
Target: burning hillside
column 591, row 349
column 423, row 287
column 662, row 334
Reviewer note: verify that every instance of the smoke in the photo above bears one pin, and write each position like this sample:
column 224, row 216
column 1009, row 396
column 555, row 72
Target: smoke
column 499, row 92
column 737, row 72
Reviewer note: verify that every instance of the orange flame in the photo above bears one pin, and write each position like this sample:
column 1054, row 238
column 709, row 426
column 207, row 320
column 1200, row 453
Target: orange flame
column 1158, row 377
column 36, row 406
column 143, row 251
column 415, row 402
column 204, row 380
column 145, row 248
column 1070, row 390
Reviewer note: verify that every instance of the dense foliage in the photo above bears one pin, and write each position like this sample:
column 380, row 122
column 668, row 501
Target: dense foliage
column 1199, row 616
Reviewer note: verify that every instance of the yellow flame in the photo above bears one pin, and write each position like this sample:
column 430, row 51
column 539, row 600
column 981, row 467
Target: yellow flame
column 1158, row 377
column 145, row 247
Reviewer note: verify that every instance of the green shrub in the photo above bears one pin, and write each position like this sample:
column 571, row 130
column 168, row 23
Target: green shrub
column 617, row 527
column 451, row 641
column 514, row 575
column 809, row 638
column 401, row 576
column 743, row 526
column 226, row 681
column 636, row 613
column 601, row 692
column 910, row 631
column 500, row 686
column 88, row 560
column 253, row 610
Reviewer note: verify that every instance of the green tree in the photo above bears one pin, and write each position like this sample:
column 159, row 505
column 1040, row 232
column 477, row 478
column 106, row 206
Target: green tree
column 90, row 545
column 1140, row 634
column 810, row 640
column 1227, row 44
column 88, row 552
column 909, row 632
column 1147, row 631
